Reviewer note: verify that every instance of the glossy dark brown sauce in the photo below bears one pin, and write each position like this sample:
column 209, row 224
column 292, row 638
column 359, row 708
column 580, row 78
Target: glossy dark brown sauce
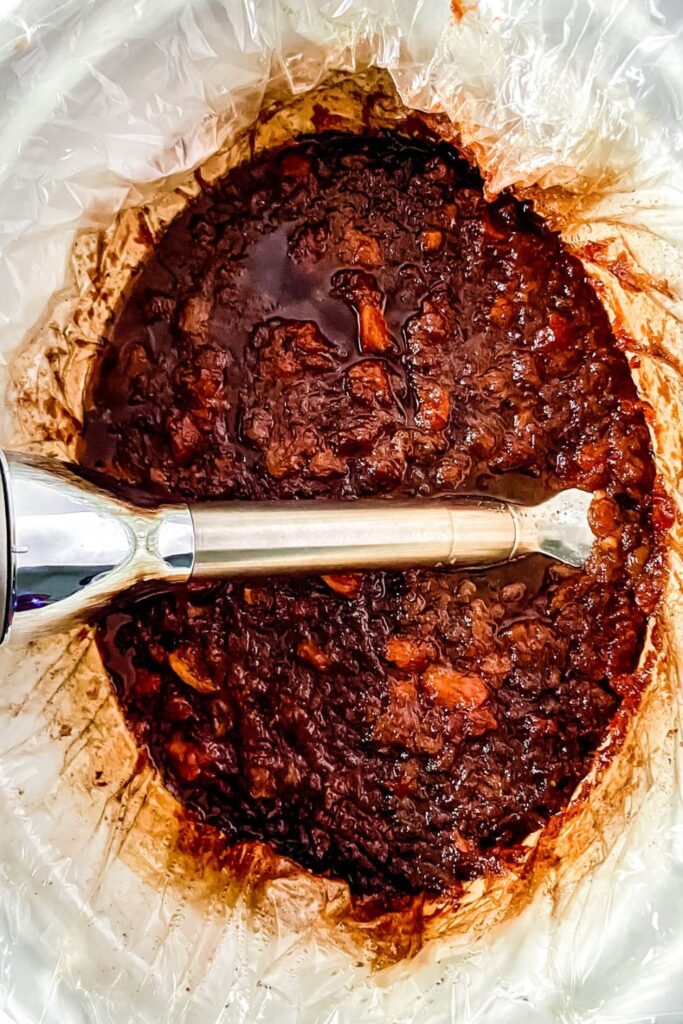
column 345, row 318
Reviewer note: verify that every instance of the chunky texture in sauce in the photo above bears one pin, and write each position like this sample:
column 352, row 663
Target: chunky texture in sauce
column 350, row 317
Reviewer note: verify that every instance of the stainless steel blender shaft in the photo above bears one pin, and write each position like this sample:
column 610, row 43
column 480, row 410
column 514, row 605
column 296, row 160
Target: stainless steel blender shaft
column 66, row 547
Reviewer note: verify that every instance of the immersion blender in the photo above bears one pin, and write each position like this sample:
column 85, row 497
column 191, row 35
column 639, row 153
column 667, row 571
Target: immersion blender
column 68, row 547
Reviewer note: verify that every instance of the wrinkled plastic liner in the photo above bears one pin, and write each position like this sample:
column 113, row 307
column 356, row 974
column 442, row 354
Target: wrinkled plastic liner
column 114, row 906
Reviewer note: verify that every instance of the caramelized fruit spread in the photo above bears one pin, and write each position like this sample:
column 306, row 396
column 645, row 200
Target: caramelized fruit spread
column 350, row 317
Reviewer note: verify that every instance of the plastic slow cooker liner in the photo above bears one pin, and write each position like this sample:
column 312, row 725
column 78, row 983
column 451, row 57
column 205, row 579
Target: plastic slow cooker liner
column 112, row 908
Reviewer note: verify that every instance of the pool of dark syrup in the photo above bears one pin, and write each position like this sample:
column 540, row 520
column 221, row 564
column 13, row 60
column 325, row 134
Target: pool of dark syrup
column 350, row 318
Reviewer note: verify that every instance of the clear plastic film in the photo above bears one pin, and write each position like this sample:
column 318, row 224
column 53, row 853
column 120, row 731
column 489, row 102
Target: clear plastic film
column 111, row 909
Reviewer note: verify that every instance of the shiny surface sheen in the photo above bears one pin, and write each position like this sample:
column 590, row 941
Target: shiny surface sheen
column 339, row 536
column 75, row 547
column 350, row 318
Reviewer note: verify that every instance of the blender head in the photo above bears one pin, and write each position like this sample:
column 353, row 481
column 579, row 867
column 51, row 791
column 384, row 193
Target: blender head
column 67, row 548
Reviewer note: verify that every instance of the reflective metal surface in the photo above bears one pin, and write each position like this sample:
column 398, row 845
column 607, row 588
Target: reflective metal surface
column 73, row 546
column 254, row 539
column 6, row 571
column 558, row 527
column 298, row 536
column 67, row 548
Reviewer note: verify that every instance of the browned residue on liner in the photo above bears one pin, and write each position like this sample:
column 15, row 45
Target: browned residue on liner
column 623, row 265
column 149, row 829
column 462, row 7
